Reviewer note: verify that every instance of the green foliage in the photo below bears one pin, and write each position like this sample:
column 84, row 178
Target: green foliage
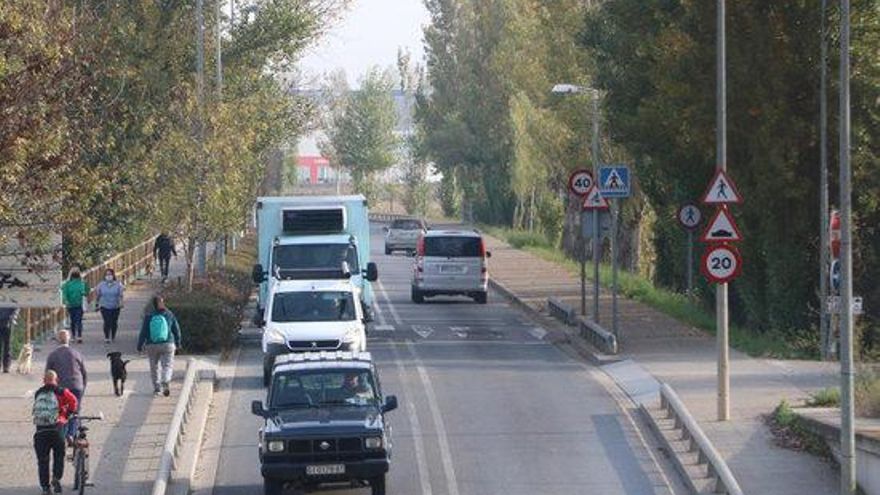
column 827, row 397
column 790, row 432
column 867, row 394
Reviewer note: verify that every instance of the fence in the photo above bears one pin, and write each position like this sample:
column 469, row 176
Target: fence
column 127, row 265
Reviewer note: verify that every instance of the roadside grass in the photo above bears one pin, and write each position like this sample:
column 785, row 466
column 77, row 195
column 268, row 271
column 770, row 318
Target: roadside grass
column 673, row 304
column 790, row 433
column 827, row 397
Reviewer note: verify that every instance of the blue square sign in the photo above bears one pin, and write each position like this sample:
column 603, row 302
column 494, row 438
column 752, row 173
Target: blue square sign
column 614, row 181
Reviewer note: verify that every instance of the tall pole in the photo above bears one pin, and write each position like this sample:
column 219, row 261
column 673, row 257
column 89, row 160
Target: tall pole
column 847, row 435
column 690, row 261
column 202, row 252
column 615, row 213
column 221, row 244
column 824, row 320
column 597, row 241
column 721, row 310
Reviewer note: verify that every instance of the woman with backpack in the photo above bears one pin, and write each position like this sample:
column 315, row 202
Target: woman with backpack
column 108, row 299
column 160, row 336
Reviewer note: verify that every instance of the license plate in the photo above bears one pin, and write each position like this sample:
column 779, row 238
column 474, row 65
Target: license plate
column 325, row 469
column 451, row 269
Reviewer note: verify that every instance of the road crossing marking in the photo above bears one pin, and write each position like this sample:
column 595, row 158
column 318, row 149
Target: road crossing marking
column 423, row 331
column 384, row 328
column 442, row 440
column 460, row 332
column 538, row 333
column 421, row 463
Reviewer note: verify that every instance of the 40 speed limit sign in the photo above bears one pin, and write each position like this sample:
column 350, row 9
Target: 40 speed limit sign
column 580, row 182
column 721, row 263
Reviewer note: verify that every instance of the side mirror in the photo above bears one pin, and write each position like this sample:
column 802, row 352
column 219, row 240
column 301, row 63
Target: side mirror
column 372, row 272
column 488, row 254
column 257, row 409
column 257, row 274
column 390, row 404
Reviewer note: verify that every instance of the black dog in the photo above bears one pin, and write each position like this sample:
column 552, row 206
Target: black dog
column 117, row 371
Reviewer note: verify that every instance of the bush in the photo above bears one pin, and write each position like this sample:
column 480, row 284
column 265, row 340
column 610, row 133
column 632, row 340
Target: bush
column 867, row 395
column 827, row 397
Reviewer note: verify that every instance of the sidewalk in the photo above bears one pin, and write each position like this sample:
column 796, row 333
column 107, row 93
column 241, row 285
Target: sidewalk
column 685, row 358
column 125, row 447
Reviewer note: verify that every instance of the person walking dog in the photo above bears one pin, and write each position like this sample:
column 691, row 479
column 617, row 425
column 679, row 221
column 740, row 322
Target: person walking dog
column 73, row 292
column 160, row 337
column 52, row 407
column 108, row 300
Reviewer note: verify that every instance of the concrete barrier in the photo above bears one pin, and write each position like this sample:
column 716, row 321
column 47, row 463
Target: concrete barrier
column 561, row 311
column 602, row 339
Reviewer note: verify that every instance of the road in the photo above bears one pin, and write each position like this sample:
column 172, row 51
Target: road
column 487, row 406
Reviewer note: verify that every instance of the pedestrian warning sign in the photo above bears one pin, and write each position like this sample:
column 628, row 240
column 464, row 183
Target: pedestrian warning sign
column 721, row 190
column 614, row 181
column 722, row 228
column 595, row 200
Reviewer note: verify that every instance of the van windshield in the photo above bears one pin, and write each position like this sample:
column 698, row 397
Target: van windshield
column 323, row 387
column 406, row 225
column 312, row 306
column 315, row 256
column 453, row 246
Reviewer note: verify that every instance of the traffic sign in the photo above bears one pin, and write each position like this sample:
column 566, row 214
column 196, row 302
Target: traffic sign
column 722, row 228
column 689, row 216
column 835, row 275
column 580, row 182
column 721, row 190
column 595, row 200
column 833, row 305
column 721, row 263
column 614, row 181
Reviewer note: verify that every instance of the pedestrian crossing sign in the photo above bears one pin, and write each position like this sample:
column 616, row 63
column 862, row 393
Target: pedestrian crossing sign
column 614, row 181
column 721, row 190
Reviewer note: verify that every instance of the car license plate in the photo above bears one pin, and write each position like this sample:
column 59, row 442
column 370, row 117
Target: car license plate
column 451, row 269
column 325, row 469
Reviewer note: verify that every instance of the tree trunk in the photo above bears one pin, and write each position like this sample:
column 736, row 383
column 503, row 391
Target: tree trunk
column 190, row 265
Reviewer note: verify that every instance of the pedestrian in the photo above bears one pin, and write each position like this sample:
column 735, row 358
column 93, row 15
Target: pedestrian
column 7, row 321
column 163, row 248
column 53, row 405
column 160, row 336
column 70, row 367
column 73, row 292
column 108, row 299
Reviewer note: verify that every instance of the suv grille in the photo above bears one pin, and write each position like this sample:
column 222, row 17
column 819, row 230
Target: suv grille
column 344, row 449
column 313, row 345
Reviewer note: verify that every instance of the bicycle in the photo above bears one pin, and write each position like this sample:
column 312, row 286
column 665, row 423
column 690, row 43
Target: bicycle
column 80, row 454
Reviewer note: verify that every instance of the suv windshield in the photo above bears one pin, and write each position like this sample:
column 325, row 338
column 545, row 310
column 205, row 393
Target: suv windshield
column 312, row 306
column 311, row 256
column 406, row 225
column 453, row 246
column 324, row 387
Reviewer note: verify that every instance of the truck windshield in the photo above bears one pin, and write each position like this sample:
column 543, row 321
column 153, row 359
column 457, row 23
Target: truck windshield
column 315, row 256
column 324, row 387
column 312, row 306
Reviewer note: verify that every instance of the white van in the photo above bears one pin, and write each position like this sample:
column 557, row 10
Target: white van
column 451, row 262
column 311, row 315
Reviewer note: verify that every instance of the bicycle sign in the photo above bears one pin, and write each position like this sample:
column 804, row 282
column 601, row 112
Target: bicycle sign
column 721, row 263
column 580, row 182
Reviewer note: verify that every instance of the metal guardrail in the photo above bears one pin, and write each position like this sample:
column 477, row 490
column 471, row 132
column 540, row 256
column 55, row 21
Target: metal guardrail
column 604, row 340
column 177, row 429
column 561, row 311
column 127, row 265
column 691, row 432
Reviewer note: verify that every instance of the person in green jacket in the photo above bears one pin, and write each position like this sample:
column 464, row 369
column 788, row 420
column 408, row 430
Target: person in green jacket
column 73, row 291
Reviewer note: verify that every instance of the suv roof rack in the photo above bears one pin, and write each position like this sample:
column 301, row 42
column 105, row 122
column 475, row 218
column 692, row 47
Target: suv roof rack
column 320, row 356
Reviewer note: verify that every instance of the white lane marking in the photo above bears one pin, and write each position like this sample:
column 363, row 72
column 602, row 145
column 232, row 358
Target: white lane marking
column 458, row 342
column 384, row 328
column 418, row 445
column 442, row 440
column 380, row 315
column 423, row 331
column 460, row 332
column 391, row 308
column 538, row 333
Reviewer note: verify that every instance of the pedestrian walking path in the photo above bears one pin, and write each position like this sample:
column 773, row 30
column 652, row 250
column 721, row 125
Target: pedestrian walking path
column 125, row 447
column 685, row 358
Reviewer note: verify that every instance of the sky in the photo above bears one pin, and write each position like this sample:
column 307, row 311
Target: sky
column 368, row 34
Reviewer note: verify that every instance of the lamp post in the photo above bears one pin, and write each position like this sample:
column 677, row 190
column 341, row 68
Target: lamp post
column 575, row 89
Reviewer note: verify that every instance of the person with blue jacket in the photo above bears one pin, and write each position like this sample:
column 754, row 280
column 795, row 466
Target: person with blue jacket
column 160, row 337
column 108, row 299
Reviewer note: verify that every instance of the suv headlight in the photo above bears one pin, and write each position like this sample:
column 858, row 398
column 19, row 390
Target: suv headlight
column 351, row 335
column 275, row 446
column 373, row 443
column 274, row 336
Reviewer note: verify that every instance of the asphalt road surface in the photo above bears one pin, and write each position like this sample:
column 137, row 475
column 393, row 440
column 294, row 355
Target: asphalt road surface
column 487, row 407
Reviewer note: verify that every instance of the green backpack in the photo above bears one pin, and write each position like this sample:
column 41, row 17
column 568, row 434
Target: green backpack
column 159, row 329
column 45, row 410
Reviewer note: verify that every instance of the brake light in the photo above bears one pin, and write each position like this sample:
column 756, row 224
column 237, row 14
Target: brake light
column 482, row 249
column 420, row 246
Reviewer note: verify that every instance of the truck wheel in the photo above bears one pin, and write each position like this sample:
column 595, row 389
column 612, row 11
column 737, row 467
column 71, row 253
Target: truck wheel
column 481, row 297
column 416, row 296
column 273, row 487
column 377, row 485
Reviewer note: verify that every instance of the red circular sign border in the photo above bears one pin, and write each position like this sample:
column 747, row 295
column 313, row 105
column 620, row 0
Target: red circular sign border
column 571, row 181
column 736, row 254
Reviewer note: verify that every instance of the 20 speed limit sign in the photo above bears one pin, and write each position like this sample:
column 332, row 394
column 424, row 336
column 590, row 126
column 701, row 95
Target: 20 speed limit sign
column 580, row 182
column 721, row 263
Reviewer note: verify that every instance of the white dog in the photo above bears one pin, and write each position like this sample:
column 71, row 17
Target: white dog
column 25, row 359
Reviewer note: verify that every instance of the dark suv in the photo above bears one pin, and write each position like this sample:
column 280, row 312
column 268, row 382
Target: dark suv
column 325, row 423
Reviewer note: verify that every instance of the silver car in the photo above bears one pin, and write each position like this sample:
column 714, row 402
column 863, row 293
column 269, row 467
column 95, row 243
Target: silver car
column 451, row 262
column 403, row 234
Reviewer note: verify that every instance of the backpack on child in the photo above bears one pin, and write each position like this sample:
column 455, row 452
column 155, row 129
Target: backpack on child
column 159, row 330
column 45, row 410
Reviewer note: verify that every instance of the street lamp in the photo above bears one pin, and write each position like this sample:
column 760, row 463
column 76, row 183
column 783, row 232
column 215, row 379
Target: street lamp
column 575, row 89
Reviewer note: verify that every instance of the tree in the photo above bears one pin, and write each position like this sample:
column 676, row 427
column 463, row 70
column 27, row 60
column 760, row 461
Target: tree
column 360, row 129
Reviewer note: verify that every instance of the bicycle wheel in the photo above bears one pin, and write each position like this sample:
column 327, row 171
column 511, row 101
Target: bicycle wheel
column 79, row 472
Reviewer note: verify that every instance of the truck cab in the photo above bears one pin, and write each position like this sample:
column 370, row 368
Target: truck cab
column 324, row 424
column 311, row 315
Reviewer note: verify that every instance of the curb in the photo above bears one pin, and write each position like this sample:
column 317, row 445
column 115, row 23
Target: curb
column 185, row 472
